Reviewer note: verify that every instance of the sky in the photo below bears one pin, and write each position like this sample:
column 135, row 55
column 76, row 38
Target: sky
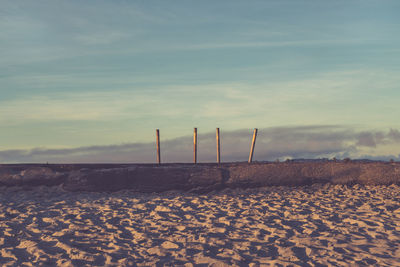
column 90, row 81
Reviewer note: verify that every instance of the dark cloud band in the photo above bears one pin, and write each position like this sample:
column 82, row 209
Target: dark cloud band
column 272, row 143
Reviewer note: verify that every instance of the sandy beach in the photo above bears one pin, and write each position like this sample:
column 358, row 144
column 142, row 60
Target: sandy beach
column 301, row 226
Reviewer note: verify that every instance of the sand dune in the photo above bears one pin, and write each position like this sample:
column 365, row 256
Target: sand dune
column 304, row 226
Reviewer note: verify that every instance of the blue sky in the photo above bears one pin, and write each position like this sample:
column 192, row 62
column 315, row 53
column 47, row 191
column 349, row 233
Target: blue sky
column 96, row 73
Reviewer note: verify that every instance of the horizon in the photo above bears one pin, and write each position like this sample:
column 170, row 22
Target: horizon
column 91, row 82
column 280, row 143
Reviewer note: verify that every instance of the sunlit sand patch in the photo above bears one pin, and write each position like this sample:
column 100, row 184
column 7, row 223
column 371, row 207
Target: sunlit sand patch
column 325, row 224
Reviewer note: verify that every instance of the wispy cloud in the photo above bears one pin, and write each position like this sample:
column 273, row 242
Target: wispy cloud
column 283, row 142
column 326, row 97
column 102, row 38
column 99, row 106
column 289, row 43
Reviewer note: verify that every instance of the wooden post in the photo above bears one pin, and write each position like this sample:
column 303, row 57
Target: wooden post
column 158, row 146
column 195, row 146
column 253, row 144
column 218, row 148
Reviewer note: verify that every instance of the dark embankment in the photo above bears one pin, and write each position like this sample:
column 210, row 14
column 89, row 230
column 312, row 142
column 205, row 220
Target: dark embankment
column 198, row 178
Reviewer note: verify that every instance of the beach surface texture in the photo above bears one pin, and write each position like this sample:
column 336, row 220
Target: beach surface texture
column 269, row 214
column 329, row 225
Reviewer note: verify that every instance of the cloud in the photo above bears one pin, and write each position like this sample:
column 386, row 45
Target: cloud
column 280, row 44
column 103, row 38
column 99, row 106
column 394, row 135
column 279, row 142
column 310, row 98
column 369, row 139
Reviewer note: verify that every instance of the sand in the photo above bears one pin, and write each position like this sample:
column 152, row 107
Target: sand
column 302, row 226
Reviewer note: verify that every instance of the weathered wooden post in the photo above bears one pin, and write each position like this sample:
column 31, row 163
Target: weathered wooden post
column 195, row 146
column 158, row 146
column 218, row 148
column 253, row 144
